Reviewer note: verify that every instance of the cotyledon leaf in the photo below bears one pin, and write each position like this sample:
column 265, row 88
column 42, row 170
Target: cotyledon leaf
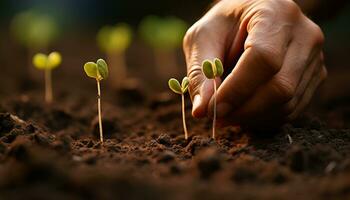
column 90, row 69
column 40, row 61
column 102, row 68
column 174, row 85
column 184, row 84
column 207, row 68
column 53, row 60
column 219, row 67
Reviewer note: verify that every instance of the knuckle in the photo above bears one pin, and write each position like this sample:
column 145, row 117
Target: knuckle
column 317, row 34
column 195, row 31
column 266, row 10
column 188, row 38
column 291, row 7
column 269, row 56
column 284, row 89
column 196, row 78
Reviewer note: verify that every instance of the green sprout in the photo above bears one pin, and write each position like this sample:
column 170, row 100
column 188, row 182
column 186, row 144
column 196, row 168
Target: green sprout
column 213, row 69
column 98, row 71
column 165, row 36
column 47, row 63
column 175, row 86
column 114, row 41
column 35, row 31
column 163, row 33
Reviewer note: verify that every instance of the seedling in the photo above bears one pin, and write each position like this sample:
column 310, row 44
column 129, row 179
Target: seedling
column 165, row 36
column 213, row 69
column 175, row 86
column 114, row 41
column 35, row 31
column 98, row 71
column 47, row 63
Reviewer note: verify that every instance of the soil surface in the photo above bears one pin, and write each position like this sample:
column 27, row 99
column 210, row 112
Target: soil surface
column 53, row 151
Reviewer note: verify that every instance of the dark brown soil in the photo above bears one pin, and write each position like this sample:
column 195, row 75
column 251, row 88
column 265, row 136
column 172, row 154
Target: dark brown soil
column 52, row 152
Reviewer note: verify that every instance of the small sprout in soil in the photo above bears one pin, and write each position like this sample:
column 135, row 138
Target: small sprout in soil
column 35, row 31
column 114, row 41
column 47, row 63
column 165, row 36
column 213, row 69
column 98, row 71
column 175, row 86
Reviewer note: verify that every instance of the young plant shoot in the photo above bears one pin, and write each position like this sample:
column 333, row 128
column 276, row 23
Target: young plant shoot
column 35, row 31
column 98, row 71
column 213, row 69
column 47, row 63
column 165, row 36
column 114, row 41
column 175, row 86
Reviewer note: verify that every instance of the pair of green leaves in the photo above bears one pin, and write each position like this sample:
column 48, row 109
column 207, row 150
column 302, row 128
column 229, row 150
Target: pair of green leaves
column 47, row 62
column 98, row 70
column 175, row 86
column 212, row 69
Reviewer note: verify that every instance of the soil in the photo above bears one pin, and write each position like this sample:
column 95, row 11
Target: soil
column 53, row 151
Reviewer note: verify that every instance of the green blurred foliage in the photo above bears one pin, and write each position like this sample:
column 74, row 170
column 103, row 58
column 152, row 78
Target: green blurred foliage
column 114, row 39
column 163, row 33
column 34, row 30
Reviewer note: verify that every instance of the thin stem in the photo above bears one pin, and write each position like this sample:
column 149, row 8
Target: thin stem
column 214, row 118
column 184, row 116
column 99, row 110
column 48, row 86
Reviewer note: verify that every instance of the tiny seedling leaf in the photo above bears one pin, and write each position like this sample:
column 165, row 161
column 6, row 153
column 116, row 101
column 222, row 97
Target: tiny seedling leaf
column 102, row 68
column 219, row 67
column 184, row 84
column 90, row 69
column 174, row 85
column 40, row 61
column 53, row 60
column 207, row 68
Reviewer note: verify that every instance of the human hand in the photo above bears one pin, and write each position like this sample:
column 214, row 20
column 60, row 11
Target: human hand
column 272, row 54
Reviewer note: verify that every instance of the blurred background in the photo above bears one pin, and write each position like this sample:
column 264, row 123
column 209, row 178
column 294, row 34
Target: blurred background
column 77, row 24
column 74, row 26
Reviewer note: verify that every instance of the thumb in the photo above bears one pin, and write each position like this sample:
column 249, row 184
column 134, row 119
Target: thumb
column 199, row 45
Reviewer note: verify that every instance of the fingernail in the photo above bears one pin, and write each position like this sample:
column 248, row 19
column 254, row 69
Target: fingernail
column 223, row 109
column 196, row 103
